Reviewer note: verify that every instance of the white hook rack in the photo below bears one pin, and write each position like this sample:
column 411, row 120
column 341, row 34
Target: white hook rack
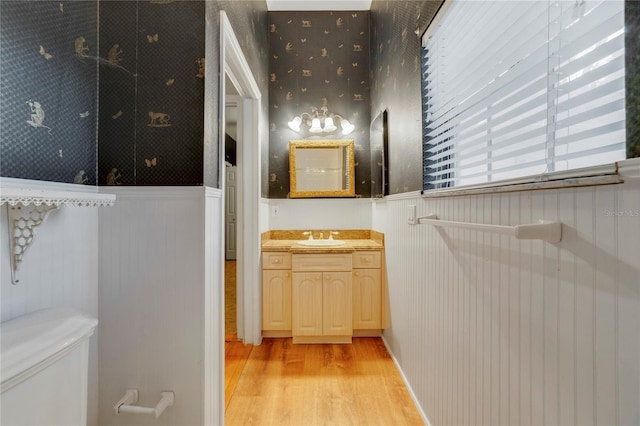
column 543, row 230
column 126, row 404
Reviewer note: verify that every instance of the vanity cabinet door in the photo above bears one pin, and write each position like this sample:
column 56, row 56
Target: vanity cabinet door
column 367, row 299
column 337, row 318
column 307, row 303
column 276, row 300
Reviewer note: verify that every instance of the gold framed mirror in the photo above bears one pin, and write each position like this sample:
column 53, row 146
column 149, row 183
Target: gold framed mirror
column 321, row 168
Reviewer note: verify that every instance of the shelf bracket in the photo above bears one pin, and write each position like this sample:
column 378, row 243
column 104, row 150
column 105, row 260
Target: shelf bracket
column 28, row 208
column 22, row 221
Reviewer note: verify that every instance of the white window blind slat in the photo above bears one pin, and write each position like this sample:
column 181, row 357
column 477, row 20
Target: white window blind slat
column 457, row 153
column 480, row 52
column 477, row 72
column 520, row 76
column 542, row 91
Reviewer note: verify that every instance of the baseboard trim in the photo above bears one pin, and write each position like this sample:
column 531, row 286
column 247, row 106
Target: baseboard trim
column 406, row 383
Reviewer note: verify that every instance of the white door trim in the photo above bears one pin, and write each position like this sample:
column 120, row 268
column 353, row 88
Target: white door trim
column 248, row 152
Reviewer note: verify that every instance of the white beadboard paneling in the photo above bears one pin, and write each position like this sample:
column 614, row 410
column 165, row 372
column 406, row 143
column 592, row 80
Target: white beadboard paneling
column 213, row 310
column 320, row 213
column 59, row 269
column 488, row 329
column 628, row 315
column 153, row 299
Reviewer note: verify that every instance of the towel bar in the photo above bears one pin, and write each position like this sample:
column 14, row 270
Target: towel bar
column 549, row 231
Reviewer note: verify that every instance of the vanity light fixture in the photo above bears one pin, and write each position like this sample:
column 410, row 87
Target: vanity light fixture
column 320, row 120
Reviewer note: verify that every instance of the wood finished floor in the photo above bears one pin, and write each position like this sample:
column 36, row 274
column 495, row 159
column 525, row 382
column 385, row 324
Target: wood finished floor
column 286, row 384
column 230, row 308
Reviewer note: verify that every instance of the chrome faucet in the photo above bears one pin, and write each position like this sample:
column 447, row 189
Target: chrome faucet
column 309, row 233
column 332, row 233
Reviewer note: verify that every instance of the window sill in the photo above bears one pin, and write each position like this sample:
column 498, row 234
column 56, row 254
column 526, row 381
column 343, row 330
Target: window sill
column 608, row 174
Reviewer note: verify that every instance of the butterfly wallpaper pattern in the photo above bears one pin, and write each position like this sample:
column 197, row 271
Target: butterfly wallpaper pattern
column 632, row 64
column 396, row 29
column 151, row 93
column 249, row 20
column 48, row 79
column 317, row 59
column 152, row 117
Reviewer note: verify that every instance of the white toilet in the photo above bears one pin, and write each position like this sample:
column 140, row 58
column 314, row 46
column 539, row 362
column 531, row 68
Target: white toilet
column 44, row 368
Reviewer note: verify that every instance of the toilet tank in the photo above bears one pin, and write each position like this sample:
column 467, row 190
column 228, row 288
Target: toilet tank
column 44, row 368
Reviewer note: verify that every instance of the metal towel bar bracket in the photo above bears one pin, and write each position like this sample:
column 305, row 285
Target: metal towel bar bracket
column 549, row 231
column 126, row 404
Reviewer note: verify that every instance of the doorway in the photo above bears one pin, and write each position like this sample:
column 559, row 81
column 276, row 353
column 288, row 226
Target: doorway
column 238, row 74
column 235, row 70
column 231, row 220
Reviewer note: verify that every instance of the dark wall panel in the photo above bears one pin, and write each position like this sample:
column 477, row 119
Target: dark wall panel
column 249, row 21
column 395, row 85
column 48, row 77
column 117, row 124
column 632, row 64
column 318, row 58
column 139, row 73
column 152, row 93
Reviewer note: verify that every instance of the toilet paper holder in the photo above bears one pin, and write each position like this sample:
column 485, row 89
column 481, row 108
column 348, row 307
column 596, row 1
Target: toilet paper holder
column 126, row 404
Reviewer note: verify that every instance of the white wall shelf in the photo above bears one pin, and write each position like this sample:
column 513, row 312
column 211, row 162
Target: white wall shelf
column 29, row 208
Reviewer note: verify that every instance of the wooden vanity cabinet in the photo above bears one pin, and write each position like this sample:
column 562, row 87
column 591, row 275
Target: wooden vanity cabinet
column 322, row 298
column 276, row 294
column 367, row 292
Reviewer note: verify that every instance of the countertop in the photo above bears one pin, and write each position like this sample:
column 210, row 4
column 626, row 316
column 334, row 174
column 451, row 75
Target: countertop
column 355, row 240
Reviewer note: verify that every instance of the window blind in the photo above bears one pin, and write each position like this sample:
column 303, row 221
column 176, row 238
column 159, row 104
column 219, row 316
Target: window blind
column 520, row 88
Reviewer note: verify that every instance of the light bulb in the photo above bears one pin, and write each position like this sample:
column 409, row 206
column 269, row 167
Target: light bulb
column 295, row 124
column 328, row 125
column 315, row 126
column 347, row 127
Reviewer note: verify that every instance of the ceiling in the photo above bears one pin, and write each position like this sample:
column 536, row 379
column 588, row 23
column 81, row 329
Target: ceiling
column 280, row 5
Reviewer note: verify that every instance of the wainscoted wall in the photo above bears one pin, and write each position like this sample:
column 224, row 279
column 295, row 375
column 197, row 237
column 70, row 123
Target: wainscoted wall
column 492, row 330
column 59, row 269
column 318, row 59
column 48, row 90
column 396, row 27
column 158, row 302
column 331, row 214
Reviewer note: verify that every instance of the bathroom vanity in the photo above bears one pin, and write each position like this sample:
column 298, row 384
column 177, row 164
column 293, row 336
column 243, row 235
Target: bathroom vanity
column 321, row 290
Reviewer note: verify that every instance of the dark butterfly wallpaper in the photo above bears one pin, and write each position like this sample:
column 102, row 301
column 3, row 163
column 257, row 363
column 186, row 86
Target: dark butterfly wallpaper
column 152, row 87
column 48, row 89
column 146, row 69
column 249, row 20
column 632, row 64
column 151, row 93
column 318, row 59
column 396, row 28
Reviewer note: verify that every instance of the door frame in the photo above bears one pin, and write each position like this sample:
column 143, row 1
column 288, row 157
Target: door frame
column 235, row 66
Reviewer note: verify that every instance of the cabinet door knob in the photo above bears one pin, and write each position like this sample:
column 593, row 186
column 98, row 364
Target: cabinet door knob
column 357, row 274
column 367, row 260
column 276, row 260
column 286, row 275
column 327, row 277
column 317, row 277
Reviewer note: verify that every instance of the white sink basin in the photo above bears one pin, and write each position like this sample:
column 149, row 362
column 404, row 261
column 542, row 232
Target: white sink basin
column 321, row 243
